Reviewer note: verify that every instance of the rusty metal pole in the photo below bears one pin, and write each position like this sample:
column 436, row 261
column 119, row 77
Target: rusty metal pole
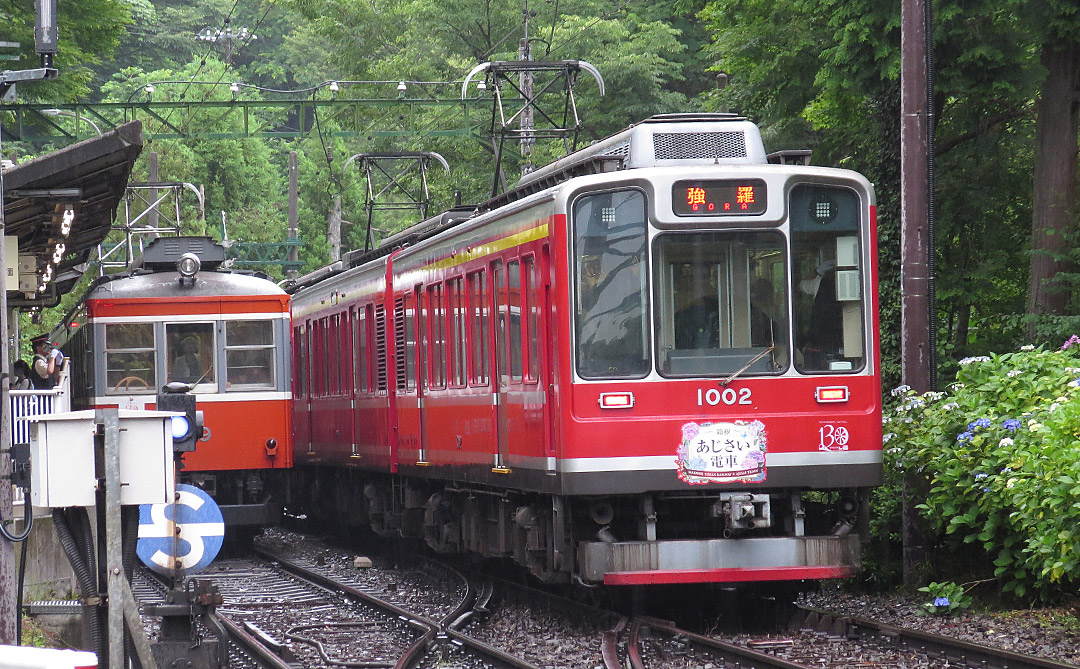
column 914, row 200
column 915, row 340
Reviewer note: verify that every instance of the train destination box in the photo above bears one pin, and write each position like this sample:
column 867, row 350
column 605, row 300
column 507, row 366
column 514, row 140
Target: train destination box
column 62, row 458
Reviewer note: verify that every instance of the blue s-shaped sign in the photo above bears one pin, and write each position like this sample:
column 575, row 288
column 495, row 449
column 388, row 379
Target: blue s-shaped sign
column 189, row 532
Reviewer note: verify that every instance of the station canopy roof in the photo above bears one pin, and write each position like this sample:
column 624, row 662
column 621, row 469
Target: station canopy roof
column 78, row 187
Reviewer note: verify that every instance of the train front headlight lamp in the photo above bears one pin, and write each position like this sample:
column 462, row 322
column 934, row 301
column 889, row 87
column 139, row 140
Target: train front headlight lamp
column 188, row 265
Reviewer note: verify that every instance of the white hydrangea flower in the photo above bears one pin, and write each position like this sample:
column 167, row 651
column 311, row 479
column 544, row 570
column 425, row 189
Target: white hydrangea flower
column 1005, row 442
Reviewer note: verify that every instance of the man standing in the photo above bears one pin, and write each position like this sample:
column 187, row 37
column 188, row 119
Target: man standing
column 43, row 367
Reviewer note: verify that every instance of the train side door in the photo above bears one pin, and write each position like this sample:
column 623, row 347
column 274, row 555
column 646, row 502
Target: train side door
column 408, row 329
column 500, row 371
column 301, row 391
column 426, row 311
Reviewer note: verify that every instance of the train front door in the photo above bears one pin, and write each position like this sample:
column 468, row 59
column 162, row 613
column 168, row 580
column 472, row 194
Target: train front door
column 500, row 371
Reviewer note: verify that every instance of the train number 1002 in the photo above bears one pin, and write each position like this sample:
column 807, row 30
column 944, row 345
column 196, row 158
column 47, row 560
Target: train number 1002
column 728, row 396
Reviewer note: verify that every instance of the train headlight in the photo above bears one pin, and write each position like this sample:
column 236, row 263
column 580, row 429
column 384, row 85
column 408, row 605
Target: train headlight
column 188, row 265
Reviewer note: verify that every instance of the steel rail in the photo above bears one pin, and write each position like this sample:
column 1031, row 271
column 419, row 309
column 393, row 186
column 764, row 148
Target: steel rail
column 261, row 651
column 729, row 652
column 952, row 650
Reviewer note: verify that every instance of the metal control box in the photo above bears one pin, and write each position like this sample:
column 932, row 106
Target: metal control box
column 62, row 458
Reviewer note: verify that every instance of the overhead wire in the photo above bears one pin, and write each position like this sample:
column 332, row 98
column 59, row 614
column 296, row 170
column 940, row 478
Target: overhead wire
column 202, row 62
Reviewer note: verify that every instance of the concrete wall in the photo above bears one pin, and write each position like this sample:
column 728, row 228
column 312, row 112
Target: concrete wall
column 48, row 573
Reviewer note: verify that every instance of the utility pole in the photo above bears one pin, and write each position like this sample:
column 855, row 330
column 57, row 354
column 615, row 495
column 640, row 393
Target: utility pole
column 916, row 234
column 294, row 211
column 45, row 44
column 528, row 140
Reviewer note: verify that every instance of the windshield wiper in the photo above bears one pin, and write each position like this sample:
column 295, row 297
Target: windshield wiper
column 748, row 365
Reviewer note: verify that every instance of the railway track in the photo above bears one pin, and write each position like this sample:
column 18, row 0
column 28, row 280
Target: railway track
column 817, row 639
column 315, row 608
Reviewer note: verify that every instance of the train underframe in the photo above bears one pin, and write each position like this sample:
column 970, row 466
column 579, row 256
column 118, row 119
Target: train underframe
column 675, row 537
column 248, row 499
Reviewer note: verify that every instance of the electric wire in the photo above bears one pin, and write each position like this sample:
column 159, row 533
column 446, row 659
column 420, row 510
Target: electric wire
column 202, row 63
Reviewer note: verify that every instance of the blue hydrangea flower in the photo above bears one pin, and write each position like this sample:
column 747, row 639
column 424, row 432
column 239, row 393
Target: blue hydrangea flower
column 964, row 436
column 941, row 601
column 981, row 423
column 1011, row 424
column 980, row 476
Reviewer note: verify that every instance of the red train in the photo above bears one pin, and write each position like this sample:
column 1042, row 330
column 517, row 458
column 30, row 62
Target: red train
column 178, row 314
column 654, row 361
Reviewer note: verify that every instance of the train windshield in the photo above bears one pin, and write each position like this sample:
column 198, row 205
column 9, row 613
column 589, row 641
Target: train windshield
column 189, row 352
column 612, row 299
column 721, row 303
column 827, row 279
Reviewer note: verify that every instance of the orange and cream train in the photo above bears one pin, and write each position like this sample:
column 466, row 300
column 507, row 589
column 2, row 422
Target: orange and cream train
column 654, row 361
column 177, row 314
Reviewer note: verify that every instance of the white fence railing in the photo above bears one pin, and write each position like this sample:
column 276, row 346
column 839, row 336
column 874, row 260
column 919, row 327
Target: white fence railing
column 26, row 403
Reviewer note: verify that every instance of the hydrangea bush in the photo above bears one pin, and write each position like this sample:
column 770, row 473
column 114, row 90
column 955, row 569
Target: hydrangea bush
column 1001, row 452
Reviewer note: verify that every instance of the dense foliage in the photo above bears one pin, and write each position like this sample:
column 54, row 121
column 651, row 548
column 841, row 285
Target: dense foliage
column 1000, row 451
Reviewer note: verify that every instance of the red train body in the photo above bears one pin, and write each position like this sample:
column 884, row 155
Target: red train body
column 655, row 361
column 224, row 332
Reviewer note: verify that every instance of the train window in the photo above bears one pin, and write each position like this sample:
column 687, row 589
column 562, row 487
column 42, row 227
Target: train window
column 309, row 359
column 360, row 350
column 532, row 303
column 611, row 307
column 480, row 330
column 333, row 359
column 249, row 355
column 512, row 321
column 189, row 354
column 300, row 362
column 322, row 374
column 129, row 358
column 437, row 337
column 827, row 291
column 456, row 339
column 720, row 303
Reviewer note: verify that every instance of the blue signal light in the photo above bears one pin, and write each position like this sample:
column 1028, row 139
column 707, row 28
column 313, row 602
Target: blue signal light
column 181, row 427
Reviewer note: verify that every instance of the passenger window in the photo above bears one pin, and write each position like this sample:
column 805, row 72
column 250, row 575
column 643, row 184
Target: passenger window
column 189, row 353
column 360, row 351
column 532, row 304
column 129, row 358
column 437, row 323
column 249, row 355
column 513, row 321
column 457, row 332
column 479, row 367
